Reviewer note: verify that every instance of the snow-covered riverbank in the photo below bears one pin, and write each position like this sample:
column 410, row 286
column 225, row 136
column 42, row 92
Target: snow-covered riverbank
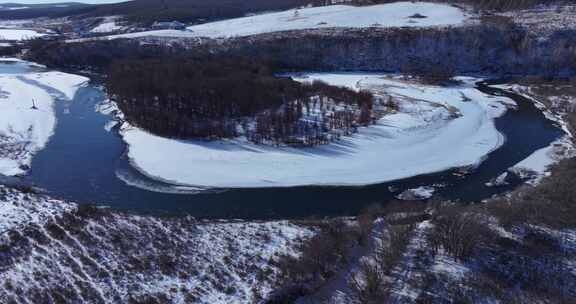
column 27, row 117
column 436, row 128
column 555, row 109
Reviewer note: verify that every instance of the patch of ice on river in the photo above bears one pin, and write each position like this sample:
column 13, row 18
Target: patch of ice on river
column 537, row 165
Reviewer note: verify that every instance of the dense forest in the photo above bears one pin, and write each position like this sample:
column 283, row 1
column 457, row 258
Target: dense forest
column 219, row 98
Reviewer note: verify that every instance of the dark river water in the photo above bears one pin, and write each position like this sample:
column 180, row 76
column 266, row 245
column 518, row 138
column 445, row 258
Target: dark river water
column 83, row 160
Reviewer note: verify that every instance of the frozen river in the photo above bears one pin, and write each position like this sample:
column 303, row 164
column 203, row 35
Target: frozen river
column 85, row 162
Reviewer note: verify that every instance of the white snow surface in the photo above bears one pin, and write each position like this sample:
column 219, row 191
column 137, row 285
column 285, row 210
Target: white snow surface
column 539, row 161
column 423, row 137
column 106, row 27
column 537, row 165
column 336, row 16
column 384, row 15
column 18, row 34
column 18, row 210
column 23, row 130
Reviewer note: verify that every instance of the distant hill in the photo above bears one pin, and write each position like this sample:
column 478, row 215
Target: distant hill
column 147, row 11
column 28, row 11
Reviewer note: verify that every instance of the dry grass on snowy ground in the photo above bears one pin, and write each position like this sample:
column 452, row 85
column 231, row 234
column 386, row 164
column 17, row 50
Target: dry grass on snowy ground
column 544, row 20
column 519, row 249
column 63, row 254
column 516, row 250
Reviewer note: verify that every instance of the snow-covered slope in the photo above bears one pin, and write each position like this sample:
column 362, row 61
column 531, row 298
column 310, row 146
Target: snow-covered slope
column 18, row 210
column 18, row 34
column 398, row 14
column 24, row 130
column 384, row 15
column 106, row 27
column 52, row 251
column 432, row 124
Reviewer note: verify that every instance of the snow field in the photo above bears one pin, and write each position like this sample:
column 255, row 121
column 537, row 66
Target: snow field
column 384, row 15
column 108, row 25
column 398, row 14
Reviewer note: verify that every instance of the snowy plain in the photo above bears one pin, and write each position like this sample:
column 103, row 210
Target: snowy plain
column 396, row 14
column 24, row 130
column 436, row 128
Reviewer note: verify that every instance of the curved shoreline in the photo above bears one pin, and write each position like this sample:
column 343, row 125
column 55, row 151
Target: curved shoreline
column 349, row 163
column 82, row 159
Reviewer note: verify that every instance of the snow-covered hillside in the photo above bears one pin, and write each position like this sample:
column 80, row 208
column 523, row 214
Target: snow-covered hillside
column 18, row 34
column 398, row 14
column 432, row 123
column 108, row 25
column 24, row 129
column 55, row 251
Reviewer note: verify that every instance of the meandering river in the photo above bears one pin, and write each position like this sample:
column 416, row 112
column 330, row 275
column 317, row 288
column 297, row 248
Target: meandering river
column 83, row 161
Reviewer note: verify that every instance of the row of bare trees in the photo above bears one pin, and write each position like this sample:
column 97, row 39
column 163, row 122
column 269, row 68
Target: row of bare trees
column 227, row 97
column 371, row 283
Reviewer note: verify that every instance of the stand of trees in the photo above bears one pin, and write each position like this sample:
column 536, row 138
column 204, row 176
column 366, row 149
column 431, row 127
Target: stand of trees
column 215, row 98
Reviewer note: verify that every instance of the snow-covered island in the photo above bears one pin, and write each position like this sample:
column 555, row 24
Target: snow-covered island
column 435, row 128
column 27, row 110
